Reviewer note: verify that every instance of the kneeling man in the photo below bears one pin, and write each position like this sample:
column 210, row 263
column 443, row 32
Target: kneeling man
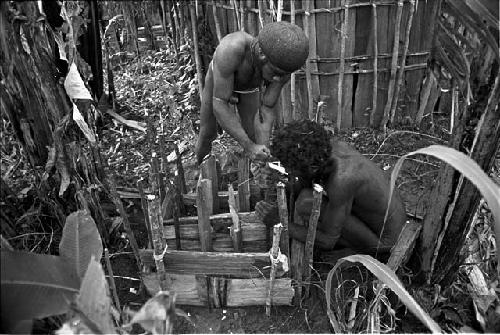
column 356, row 191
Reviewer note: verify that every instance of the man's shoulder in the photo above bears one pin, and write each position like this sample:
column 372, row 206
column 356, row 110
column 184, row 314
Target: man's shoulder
column 235, row 40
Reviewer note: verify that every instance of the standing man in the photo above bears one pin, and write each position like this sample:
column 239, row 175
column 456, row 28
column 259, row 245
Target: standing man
column 249, row 72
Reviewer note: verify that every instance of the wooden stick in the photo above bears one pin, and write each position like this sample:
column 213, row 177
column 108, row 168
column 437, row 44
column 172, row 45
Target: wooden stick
column 394, row 64
column 311, row 234
column 428, row 97
column 204, row 207
column 279, row 13
column 197, row 57
column 236, row 227
column 329, row 10
column 209, row 171
column 243, row 185
column 404, row 245
column 313, row 54
column 126, row 224
column 274, row 259
column 216, row 21
column 342, row 63
column 375, row 63
column 144, row 205
column 292, row 77
column 243, row 15
column 180, row 169
column 262, row 12
column 297, row 260
column 307, row 4
column 236, row 14
column 283, row 212
column 154, row 213
column 112, row 284
column 401, row 72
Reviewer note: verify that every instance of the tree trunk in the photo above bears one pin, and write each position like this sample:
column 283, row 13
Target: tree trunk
column 485, row 146
column 34, row 98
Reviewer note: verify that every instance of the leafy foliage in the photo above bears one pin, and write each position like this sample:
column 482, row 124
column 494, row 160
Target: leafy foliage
column 81, row 241
column 35, row 286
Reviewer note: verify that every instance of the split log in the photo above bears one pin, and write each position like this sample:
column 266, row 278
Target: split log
column 231, row 264
column 238, row 292
column 404, row 246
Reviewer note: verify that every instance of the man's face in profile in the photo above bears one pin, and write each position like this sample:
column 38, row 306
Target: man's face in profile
column 272, row 73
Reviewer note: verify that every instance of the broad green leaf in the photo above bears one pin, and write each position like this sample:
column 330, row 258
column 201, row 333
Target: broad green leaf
column 35, row 286
column 388, row 277
column 470, row 169
column 93, row 299
column 80, row 241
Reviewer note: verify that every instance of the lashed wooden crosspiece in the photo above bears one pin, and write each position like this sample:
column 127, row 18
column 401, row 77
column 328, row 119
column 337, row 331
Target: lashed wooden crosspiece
column 274, row 261
column 311, row 234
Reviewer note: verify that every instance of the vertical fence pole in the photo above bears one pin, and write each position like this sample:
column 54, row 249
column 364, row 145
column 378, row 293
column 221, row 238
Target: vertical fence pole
column 401, row 72
column 209, row 171
column 292, row 77
column 311, row 235
column 394, row 67
column 216, row 21
column 274, row 258
column 236, row 227
column 243, row 184
column 375, row 63
column 204, row 208
column 197, row 58
column 343, row 29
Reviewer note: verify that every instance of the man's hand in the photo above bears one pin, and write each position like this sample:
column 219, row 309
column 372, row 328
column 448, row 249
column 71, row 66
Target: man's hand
column 258, row 152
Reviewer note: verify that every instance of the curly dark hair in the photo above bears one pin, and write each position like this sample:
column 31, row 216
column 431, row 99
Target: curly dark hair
column 304, row 148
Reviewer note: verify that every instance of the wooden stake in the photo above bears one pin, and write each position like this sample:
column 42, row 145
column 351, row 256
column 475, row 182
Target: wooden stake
column 292, row 77
column 180, row 170
column 154, row 213
column 204, row 207
column 112, row 284
column 306, row 4
column 236, row 227
column 274, row 259
column 297, row 260
column 375, row 63
column 403, row 61
column 209, row 171
column 197, row 58
column 243, row 184
column 279, row 13
column 216, row 21
column 343, row 28
column 144, row 205
column 236, row 14
column 311, row 235
column 126, row 224
column 283, row 212
column 428, row 97
column 242, row 15
column 394, row 67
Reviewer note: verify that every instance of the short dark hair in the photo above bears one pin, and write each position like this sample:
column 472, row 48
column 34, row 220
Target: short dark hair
column 303, row 146
column 284, row 44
